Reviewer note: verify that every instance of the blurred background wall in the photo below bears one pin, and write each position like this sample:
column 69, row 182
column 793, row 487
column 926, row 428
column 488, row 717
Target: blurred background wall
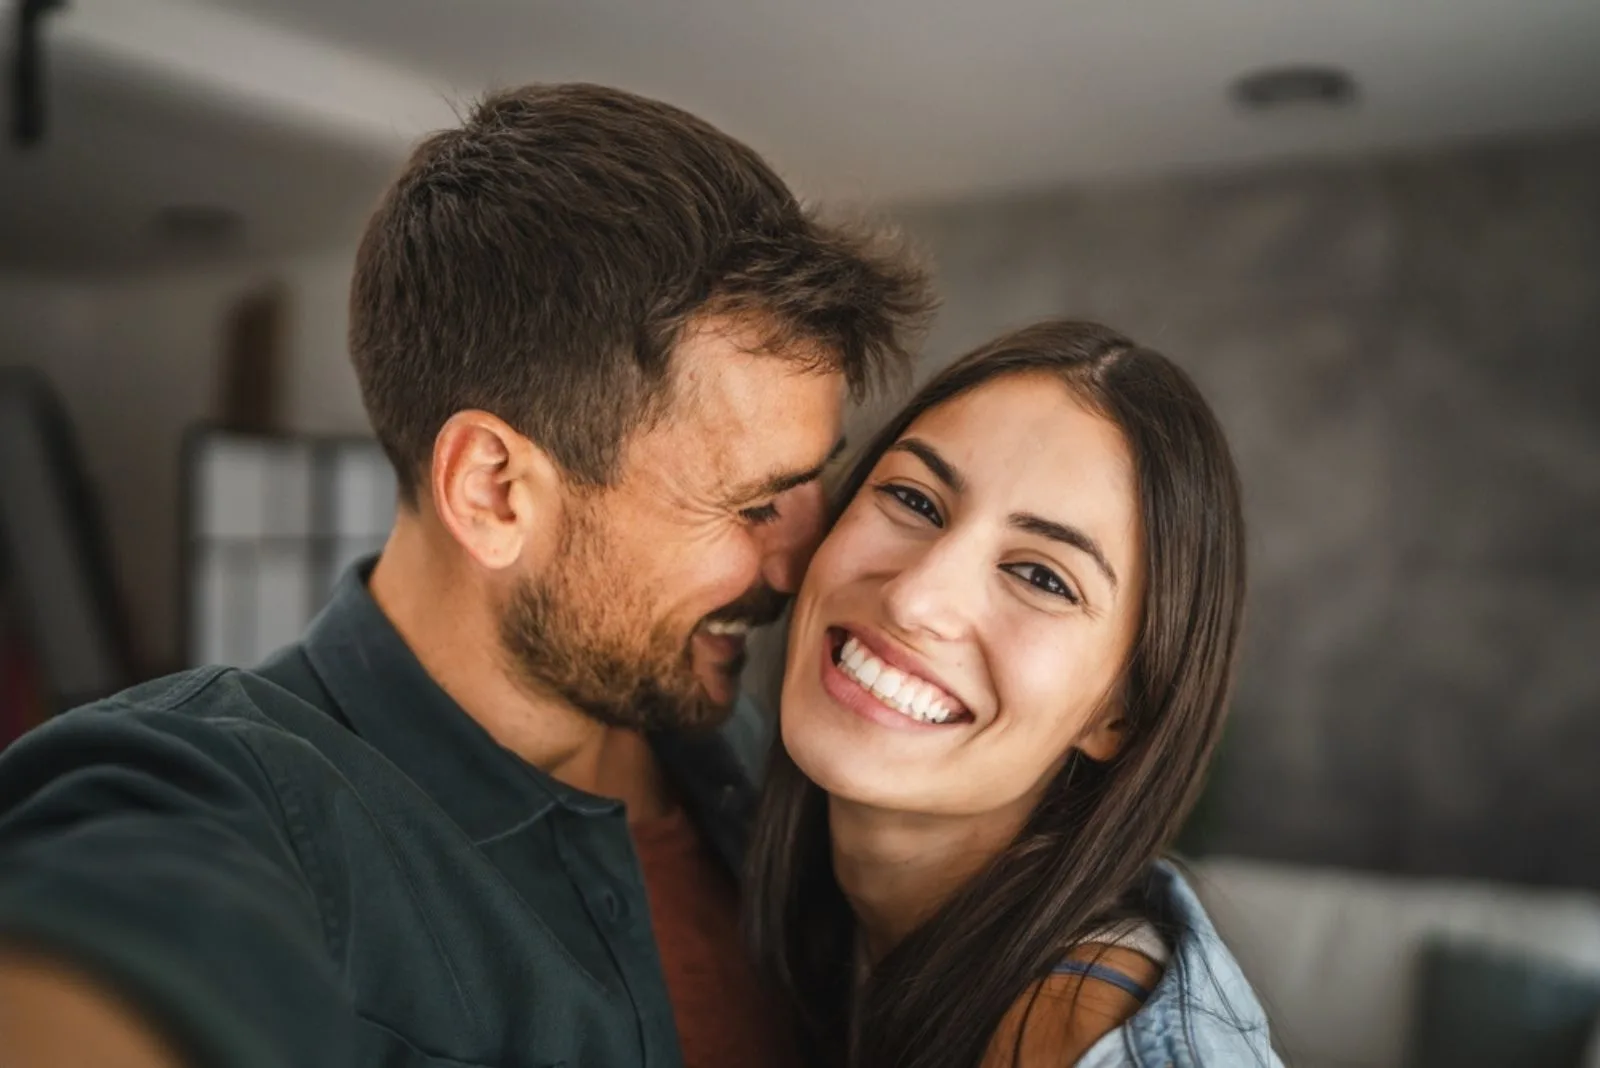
column 1404, row 353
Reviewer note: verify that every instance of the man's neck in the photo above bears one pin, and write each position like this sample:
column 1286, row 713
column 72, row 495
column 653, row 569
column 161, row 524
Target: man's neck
column 897, row 869
column 447, row 619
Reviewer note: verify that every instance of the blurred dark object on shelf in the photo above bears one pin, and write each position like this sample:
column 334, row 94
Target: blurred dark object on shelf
column 64, row 624
column 22, row 700
column 251, row 377
column 28, row 72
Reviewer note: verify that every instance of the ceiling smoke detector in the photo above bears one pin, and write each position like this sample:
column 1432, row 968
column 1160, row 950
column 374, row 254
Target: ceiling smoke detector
column 1278, row 88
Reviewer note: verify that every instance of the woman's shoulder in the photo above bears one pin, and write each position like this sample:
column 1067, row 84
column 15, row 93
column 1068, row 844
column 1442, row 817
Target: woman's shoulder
column 1103, row 978
column 1162, row 991
column 1203, row 1011
column 1095, row 990
column 1203, row 970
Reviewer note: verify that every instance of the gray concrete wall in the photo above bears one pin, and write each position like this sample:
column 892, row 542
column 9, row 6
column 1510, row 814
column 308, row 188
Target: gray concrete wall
column 1406, row 354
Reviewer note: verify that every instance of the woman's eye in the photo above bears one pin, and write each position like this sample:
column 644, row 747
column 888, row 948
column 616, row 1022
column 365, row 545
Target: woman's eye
column 1043, row 579
column 914, row 501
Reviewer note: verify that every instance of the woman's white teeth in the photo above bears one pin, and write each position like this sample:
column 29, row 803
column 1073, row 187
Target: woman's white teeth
column 904, row 693
column 725, row 628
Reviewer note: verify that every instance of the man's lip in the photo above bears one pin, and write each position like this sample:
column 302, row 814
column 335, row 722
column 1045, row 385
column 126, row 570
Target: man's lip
column 732, row 642
column 884, row 649
column 748, row 622
column 725, row 654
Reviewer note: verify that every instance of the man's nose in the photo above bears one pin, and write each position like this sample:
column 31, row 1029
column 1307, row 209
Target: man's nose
column 793, row 537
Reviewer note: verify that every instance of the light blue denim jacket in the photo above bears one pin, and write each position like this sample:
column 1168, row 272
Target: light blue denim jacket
column 1202, row 1013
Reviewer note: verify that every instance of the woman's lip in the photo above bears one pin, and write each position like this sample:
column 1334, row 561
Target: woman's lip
column 907, row 664
column 858, row 699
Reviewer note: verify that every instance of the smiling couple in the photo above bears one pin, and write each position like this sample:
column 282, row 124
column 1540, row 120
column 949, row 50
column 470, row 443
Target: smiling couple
column 486, row 812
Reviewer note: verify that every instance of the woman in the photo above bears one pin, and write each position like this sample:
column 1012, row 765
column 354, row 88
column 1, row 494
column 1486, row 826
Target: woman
column 1007, row 670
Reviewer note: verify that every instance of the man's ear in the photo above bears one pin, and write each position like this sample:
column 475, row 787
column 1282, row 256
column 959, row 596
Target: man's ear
column 1104, row 739
column 497, row 493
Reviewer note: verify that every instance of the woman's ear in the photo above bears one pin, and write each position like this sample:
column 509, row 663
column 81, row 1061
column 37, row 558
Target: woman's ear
column 1105, row 737
column 498, row 494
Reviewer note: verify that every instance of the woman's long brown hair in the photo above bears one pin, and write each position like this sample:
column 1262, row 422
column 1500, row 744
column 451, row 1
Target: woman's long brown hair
column 936, row 1000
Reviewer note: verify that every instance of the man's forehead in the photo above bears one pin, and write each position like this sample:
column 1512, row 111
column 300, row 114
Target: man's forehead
column 730, row 366
column 738, row 416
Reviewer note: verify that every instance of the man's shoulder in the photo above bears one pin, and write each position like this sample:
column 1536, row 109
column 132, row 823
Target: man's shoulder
column 198, row 692
column 219, row 744
column 210, row 711
column 212, row 694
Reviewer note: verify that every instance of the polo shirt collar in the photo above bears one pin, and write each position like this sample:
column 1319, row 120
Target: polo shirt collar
column 392, row 702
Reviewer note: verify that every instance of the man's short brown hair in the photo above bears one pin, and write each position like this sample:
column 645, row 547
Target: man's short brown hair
column 540, row 262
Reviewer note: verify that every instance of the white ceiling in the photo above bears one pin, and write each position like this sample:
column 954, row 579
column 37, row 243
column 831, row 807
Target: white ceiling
column 293, row 111
column 121, row 149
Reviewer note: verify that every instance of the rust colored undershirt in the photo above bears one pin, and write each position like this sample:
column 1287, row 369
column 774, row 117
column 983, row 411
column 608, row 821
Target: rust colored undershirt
column 724, row 1018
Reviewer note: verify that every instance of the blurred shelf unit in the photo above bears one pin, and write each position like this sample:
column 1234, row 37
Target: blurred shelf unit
column 271, row 523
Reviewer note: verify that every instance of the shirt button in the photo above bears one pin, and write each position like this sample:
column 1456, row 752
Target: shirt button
column 613, row 906
column 728, row 799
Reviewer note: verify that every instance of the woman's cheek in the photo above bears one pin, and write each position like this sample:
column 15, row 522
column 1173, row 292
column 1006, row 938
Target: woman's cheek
column 846, row 550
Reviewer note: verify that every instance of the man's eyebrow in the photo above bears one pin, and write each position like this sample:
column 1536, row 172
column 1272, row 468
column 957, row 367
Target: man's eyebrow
column 947, row 473
column 783, row 482
column 1066, row 535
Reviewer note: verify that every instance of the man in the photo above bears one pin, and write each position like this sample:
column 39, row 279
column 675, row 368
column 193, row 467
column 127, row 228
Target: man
column 478, row 815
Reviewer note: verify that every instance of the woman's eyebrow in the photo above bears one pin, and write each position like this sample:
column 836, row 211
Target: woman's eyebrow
column 1066, row 535
column 942, row 469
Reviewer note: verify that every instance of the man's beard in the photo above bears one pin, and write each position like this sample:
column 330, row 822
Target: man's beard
column 594, row 642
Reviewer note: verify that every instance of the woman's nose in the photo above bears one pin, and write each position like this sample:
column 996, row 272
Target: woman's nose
column 937, row 592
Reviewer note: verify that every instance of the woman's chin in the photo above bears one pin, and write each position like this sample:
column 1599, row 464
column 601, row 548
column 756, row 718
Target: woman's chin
column 848, row 756
column 845, row 768
column 821, row 755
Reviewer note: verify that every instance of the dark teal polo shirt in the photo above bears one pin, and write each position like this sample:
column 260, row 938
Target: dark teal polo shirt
column 327, row 862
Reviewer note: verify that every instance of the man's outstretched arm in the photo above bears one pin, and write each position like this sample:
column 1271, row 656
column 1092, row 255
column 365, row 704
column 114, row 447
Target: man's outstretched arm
column 151, row 899
column 51, row 1017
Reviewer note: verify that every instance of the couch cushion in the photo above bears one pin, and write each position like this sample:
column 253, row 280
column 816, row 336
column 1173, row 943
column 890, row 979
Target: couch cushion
column 1334, row 954
column 1483, row 1008
column 1591, row 1055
